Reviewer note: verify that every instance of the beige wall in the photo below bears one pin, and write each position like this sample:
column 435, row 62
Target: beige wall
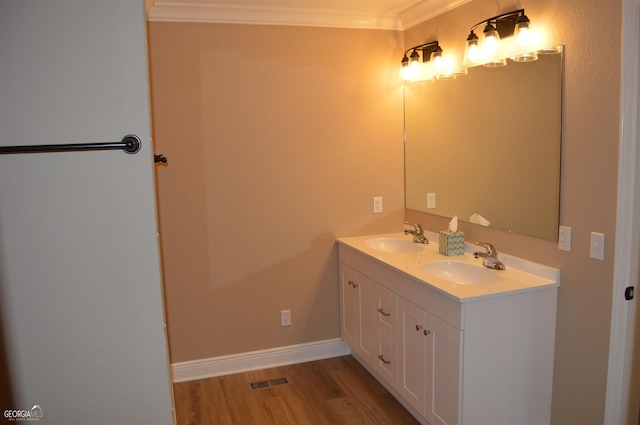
column 277, row 140
column 278, row 137
column 588, row 189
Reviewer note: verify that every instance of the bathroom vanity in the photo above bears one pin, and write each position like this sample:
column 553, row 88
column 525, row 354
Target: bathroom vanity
column 455, row 342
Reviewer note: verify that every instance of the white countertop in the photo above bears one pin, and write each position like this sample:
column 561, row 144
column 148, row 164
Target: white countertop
column 520, row 275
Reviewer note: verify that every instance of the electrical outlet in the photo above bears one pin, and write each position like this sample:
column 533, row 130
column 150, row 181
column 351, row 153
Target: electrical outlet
column 285, row 318
column 431, row 200
column 564, row 238
column 377, row 204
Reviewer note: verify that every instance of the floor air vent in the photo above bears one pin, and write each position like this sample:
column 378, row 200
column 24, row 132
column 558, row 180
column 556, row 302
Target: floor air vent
column 260, row 385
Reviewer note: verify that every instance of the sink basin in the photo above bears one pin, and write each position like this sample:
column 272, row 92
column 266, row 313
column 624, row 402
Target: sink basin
column 461, row 273
column 393, row 245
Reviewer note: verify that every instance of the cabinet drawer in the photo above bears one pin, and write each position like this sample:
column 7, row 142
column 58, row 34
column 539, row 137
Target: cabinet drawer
column 387, row 361
column 387, row 313
column 435, row 302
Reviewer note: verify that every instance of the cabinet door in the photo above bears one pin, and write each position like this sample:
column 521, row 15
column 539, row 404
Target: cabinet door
column 446, row 375
column 358, row 305
column 349, row 305
column 367, row 344
column 414, row 355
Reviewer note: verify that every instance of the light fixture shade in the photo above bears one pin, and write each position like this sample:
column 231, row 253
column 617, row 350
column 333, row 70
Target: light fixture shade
column 471, row 51
column 443, row 68
column 414, row 63
column 437, row 62
column 404, row 66
column 411, row 67
column 523, row 50
column 492, row 55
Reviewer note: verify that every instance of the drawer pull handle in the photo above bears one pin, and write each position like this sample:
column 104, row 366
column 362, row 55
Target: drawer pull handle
column 381, row 357
column 427, row 332
column 381, row 311
column 418, row 327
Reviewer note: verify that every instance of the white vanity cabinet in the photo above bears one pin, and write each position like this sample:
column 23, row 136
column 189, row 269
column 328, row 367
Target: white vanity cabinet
column 368, row 322
column 485, row 360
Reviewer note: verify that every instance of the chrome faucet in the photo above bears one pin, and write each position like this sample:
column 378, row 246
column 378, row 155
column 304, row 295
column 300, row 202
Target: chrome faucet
column 489, row 257
column 417, row 232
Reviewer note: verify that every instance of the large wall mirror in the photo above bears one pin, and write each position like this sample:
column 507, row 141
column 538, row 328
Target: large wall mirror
column 486, row 146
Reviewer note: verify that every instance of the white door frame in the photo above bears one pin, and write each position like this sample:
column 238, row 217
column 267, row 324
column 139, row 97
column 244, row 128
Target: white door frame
column 621, row 403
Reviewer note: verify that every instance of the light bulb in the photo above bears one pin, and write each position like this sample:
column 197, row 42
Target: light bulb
column 471, row 51
column 492, row 48
column 436, row 63
column 474, row 52
column 491, row 42
column 523, row 41
column 443, row 67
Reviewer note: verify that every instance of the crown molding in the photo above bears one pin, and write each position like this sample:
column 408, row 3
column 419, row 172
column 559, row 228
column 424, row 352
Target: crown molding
column 166, row 11
column 172, row 11
column 427, row 9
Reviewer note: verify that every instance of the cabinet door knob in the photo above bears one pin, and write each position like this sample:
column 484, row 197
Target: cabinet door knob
column 381, row 311
column 418, row 327
column 352, row 283
column 381, row 357
column 427, row 332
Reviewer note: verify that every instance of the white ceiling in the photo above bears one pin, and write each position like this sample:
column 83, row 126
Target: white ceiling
column 378, row 14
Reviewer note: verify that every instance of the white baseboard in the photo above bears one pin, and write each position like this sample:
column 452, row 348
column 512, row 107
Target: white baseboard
column 255, row 360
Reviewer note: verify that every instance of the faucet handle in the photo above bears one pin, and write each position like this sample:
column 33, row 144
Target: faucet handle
column 491, row 250
column 417, row 228
column 417, row 232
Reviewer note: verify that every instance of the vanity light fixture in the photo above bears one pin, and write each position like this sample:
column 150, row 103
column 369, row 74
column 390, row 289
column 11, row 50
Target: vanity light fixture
column 415, row 67
column 489, row 51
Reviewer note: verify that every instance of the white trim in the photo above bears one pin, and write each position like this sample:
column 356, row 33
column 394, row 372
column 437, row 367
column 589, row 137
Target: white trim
column 255, row 360
column 623, row 312
column 230, row 14
column 423, row 10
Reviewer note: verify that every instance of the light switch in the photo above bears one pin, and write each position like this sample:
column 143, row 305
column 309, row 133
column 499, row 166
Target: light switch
column 285, row 317
column 597, row 245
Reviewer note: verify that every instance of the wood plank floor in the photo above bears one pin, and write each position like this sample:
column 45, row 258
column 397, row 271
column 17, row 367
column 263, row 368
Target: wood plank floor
column 336, row 391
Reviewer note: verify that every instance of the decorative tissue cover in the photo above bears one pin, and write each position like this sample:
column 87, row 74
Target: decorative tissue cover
column 451, row 243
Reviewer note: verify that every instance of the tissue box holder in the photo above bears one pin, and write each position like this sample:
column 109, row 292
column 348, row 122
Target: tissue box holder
column 451, row 243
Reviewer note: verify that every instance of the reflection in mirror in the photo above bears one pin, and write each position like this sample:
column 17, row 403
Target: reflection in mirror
column 487, row 146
